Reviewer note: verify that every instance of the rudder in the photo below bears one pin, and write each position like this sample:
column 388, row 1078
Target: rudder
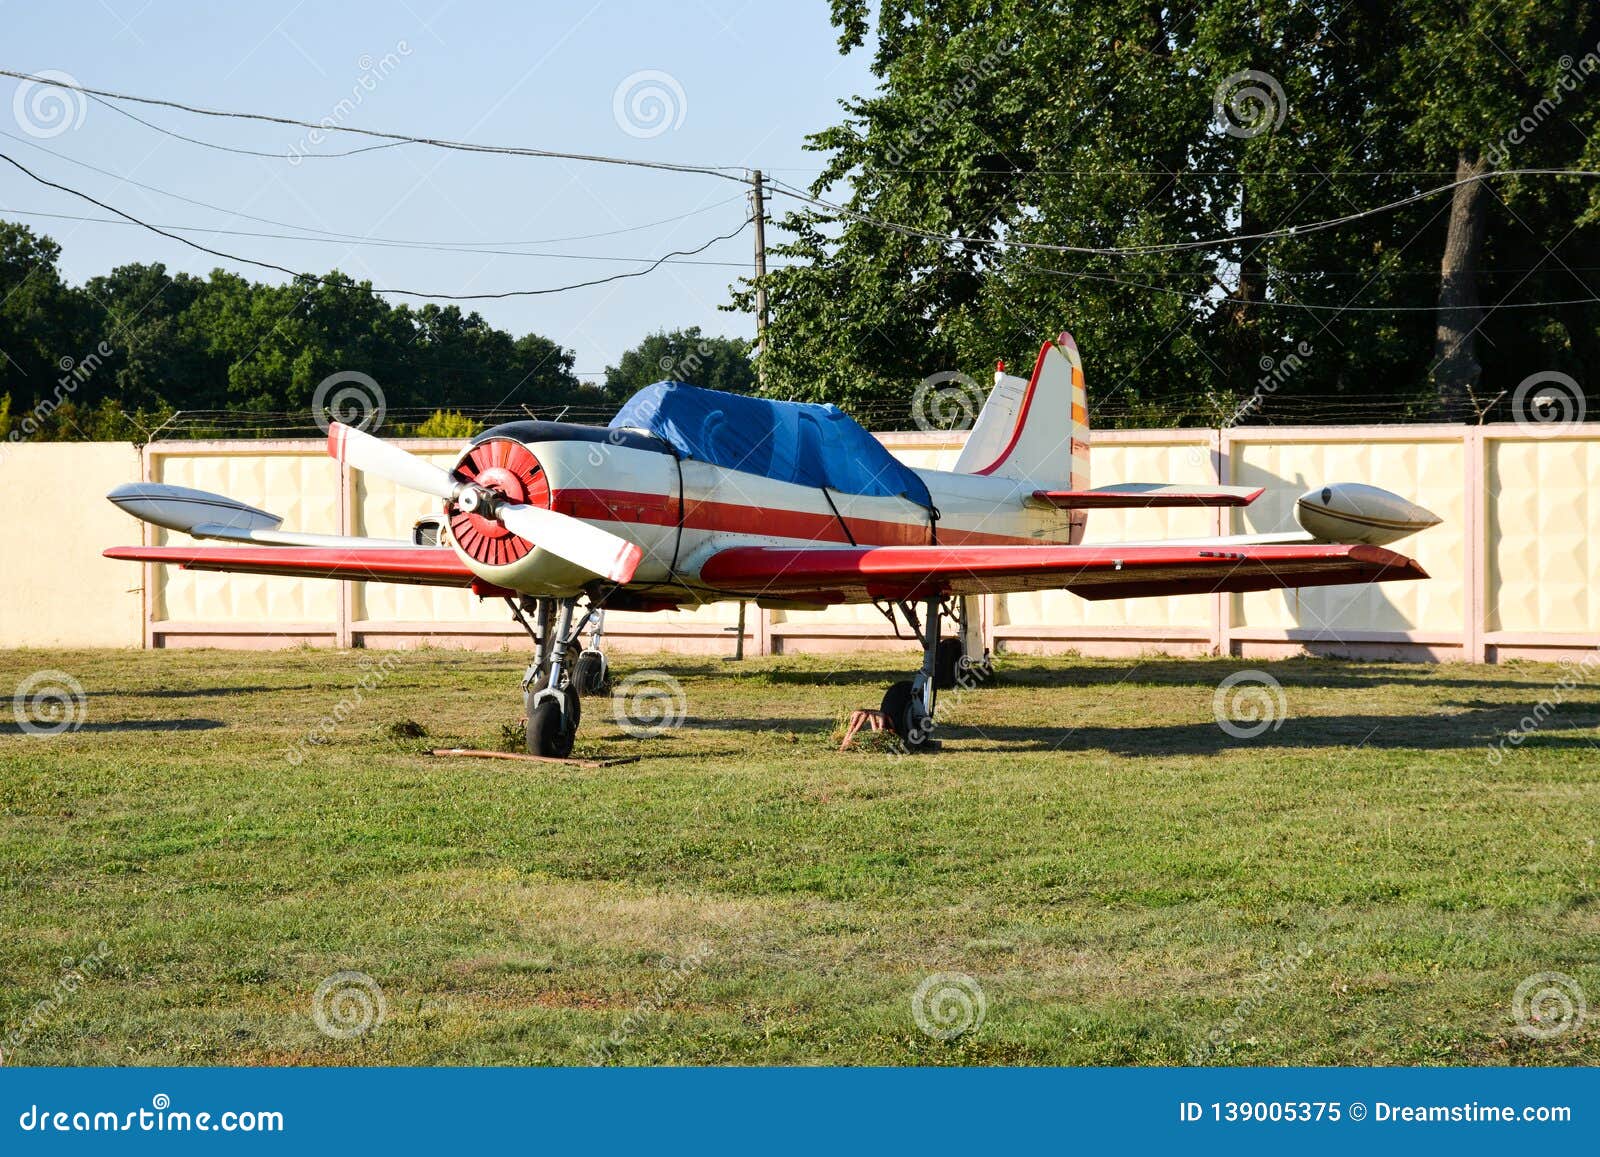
column 1040, row 434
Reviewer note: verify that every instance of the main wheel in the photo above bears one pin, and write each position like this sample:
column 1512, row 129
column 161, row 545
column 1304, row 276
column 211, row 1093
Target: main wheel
column 903, row 709
column 549, row 731
column 589, row 676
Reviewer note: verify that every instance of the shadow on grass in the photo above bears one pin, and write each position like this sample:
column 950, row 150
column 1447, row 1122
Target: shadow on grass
column 1473, row 732
column 123, row 725
column 205, row 692
column 1026, row 671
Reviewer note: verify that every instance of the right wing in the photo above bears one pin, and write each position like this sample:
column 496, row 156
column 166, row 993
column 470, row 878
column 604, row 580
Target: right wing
column 1104, row 571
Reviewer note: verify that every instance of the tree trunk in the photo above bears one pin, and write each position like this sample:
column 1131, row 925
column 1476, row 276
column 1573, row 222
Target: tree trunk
column 1455, row 364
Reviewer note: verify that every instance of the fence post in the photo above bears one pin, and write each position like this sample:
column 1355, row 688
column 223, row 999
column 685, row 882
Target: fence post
column 344, row 635
column 1475, row 545
column 1222, row 604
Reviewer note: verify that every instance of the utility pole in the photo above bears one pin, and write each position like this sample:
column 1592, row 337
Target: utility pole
column 759, row 214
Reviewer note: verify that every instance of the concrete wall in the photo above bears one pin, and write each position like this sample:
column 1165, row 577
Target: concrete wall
column 1515, row 565
column 55, row 589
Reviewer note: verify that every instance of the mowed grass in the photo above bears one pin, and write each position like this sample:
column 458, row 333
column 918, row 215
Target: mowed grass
column 1122, row 880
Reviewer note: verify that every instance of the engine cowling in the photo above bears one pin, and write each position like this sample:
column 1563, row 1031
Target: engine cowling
column 509, row 468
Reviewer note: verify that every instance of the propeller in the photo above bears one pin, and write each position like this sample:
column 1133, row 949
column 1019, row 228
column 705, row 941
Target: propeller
column 570, row 538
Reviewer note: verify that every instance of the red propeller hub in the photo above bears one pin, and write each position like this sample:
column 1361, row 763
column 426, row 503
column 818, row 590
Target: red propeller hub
column 509, row 469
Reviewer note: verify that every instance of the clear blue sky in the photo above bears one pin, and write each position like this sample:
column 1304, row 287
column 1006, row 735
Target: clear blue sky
column 754, row 77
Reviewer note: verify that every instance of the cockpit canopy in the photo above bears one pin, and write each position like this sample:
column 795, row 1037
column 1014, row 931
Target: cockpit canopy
column 800, row 442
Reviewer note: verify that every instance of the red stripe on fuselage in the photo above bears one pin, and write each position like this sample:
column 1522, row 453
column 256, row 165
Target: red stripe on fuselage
column 775, row 522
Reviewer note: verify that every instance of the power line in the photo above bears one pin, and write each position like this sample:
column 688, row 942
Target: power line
column 1167, row 246
column 654, row 265
column 402, row 138
column 1303, row 306
column 7, row 211
column 353, row 237
column 119, row 110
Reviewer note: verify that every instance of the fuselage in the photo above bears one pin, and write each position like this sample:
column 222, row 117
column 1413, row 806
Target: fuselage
column 682, row 511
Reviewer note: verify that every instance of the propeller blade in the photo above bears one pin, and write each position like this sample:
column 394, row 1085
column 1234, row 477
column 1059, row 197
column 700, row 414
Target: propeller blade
column 573, row 539
column 357, row 448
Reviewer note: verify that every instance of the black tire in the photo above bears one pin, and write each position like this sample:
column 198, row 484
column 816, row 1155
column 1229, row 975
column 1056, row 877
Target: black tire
column 947, row 663
column 549, row 733
column 903, row 710
column 574, row 707
column 589, row 676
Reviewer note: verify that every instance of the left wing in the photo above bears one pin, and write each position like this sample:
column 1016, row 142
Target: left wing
column 419, row 565
column 1110, row 571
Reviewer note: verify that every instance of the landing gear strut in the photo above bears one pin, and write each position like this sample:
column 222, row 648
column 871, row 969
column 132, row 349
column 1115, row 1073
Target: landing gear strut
column 946, row 663
column 550, row 685
column 591, row 671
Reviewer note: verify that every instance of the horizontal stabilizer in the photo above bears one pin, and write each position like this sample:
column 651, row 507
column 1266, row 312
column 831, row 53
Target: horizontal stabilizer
column 1146, row 495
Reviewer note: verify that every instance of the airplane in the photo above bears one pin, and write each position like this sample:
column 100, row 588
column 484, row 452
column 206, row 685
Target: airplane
column 690, row 496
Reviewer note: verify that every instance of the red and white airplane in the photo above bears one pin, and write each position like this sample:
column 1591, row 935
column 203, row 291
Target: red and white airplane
column 692, row 496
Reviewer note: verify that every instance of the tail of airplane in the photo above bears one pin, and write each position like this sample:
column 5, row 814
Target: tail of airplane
column 1035, row 429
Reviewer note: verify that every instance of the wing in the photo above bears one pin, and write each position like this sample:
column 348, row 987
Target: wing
column 1113, row 571
column 420, row 565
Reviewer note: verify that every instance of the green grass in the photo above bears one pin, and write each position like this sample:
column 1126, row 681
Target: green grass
column 1111, row 868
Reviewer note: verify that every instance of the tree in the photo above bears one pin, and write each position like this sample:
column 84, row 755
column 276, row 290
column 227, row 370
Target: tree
column 684, row 355
column 1126, row 126
column 1511, row 69
column 42, row 324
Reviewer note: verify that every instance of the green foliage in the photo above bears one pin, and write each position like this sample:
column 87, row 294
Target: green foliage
column 129, row 347
column 447, row 424
column 684, row 355
column 1095, row 126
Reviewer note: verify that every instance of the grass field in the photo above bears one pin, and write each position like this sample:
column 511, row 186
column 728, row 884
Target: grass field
column 1121, row 880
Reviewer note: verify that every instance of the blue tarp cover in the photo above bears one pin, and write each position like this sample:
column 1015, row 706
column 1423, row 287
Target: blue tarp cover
column 799, row 442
